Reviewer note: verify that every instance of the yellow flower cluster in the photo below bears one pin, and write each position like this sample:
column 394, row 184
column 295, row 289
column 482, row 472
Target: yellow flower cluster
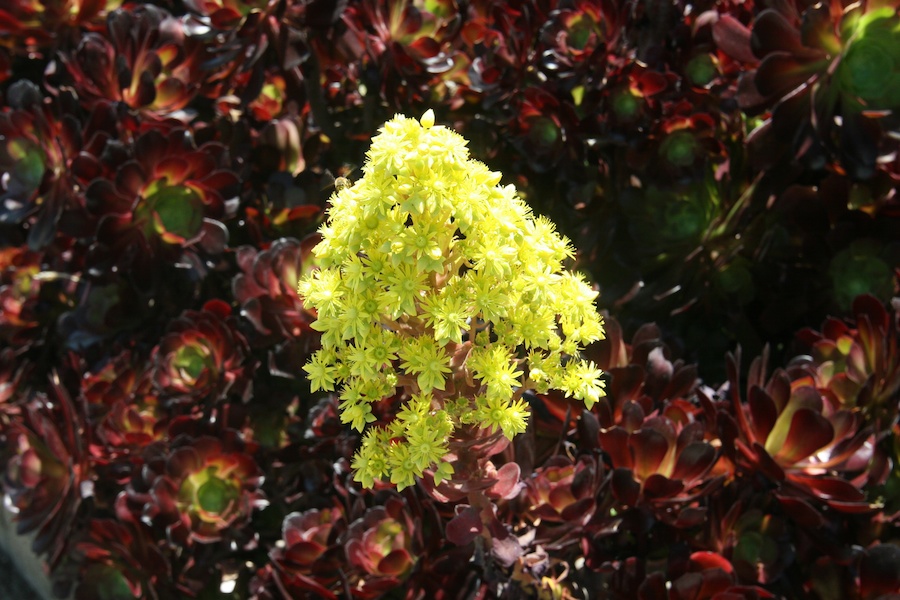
column 437, row 280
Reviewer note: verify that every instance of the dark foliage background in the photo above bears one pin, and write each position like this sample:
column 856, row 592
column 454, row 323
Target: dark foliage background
column 728, row 171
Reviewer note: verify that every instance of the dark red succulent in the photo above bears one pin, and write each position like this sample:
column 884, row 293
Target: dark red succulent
column 47, row 157
column 577, row 36
column 382, row 548
column 831, row 75
column 168, row 195
column 45, row 470
column 563, row 490
column 19, row 290
column 199, row 490
column 640, row 372
column 801, row 440
column 403, row 46
column 856, row 362
column 123, row 404
column 661, row 462
column 146, row 60
column 757, row 541
column 119, row 560
column 266, row 289
column 202, row 357
column 705, row 576
column 40, row 26
column 309, row 562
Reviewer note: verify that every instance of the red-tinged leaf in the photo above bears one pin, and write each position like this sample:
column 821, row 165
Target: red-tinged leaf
column 801, row 512
column 710, row 560
column 659, row 486
column 763, row 412
column 690, row 516
column 213, row 236
column 772, row 33
column 86, row 167
column 615, row 443
column 855, row 508
column 507, row 485
column 871, row 306
column 395, row 563
column 648, row 336
column 649, row 448
column 624, row 487
column 694, row 586
column 183, row 461
column 733, row 38
column 130, row 178
column 304, row 552
column 809, row 431
column 683, row 382
column 780, row 73
column 173, row 168
column 150, row 148
column 829, row 488
column 220, row 308
column 694, row 461
column 626, row 382
column 764, row 462
column 573, row 513
column 632, row 416
column 225, row 18
column 589, row 429
column 464, row 527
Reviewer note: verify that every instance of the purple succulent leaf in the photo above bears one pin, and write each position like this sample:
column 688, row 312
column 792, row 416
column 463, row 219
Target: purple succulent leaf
column 464, row 527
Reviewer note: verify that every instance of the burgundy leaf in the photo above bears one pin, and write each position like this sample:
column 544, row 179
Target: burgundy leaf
column 624, row 487
column 733, row 38
column 694, row 461
column 659, row 486
column 464, row 527
column 809, row 431
column 649, row 448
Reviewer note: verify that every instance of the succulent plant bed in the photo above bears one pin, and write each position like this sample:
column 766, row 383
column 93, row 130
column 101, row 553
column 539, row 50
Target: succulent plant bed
column 443, row 299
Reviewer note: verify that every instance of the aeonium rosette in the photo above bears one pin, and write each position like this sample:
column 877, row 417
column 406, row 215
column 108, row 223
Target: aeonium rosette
column 437, row 280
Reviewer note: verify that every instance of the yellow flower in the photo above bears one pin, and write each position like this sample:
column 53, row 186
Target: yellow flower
column 427, row 258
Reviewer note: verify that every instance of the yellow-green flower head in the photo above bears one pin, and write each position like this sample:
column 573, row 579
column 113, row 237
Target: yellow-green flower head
column 436, row 279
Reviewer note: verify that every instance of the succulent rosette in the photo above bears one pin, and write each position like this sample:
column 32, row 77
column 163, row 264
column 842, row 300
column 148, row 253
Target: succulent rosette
column 145, row 60
column 577, row 36
column 122, row 403
column 40, row 26
column 856, row 363
column 564, row 491
column 118, row 560
column 382, row 548
column 310, row 560
column 800, row 439
column 407, row 42
column 47, row 157
column 169, row 195
column 202, row 357
column 201, row 490
column 704, row 576
column 831, row 73
column 661, row 462
column 266, row 289
column 19, row 292
column 45, row 468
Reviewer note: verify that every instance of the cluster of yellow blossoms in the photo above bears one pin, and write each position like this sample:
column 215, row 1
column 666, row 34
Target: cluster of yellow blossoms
column 435, row 279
